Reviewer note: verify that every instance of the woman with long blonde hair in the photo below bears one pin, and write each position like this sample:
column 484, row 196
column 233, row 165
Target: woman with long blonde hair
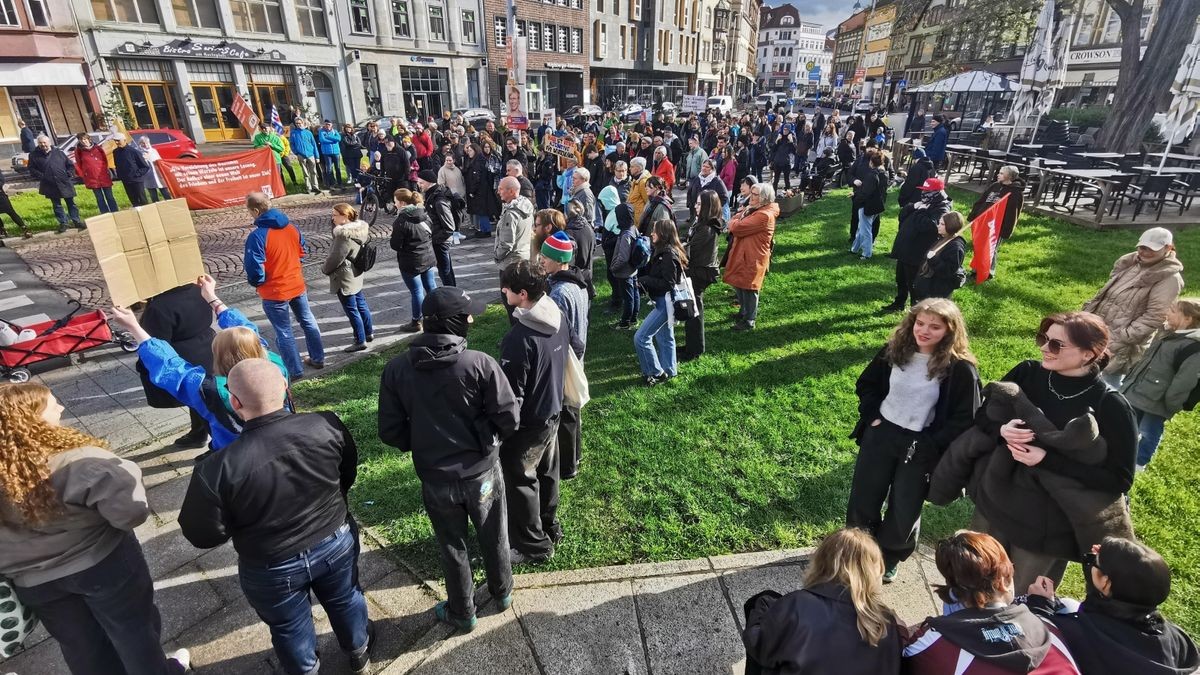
column 68, row 508
column 915, row 397
column 837, row 624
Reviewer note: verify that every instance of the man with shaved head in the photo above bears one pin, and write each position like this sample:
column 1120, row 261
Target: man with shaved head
column 279, row 492
column 515, row 227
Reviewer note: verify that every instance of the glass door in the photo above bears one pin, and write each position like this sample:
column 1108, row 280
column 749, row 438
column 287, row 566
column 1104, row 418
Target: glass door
column 29, row 108
column 213, row 102
column 162, row 106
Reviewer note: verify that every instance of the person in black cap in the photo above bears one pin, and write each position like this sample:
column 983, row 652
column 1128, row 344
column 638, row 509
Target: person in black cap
column 439, row 204
column 1118, row 629
column 451, row 407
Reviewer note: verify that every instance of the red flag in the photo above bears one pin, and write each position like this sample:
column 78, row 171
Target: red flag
column 985, row 230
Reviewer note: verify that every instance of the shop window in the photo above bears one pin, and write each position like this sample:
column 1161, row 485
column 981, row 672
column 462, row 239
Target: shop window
column 469, row 31
column 360, row 17
column 257, row 16
column 401, row 25
column 437, row 23
column 370, row 78
column 39, row 12
column 196, row 13
column 311, row 14
column 127, row 11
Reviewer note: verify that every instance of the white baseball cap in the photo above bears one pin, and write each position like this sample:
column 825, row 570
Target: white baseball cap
column 1156, row 238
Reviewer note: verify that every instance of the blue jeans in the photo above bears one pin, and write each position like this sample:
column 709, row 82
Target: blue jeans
column 59, row 214
column 445, row 266
column 331, row 166
column 630, row 299
column 105, row 200
column 657, row 356
column 279, row 594
column 1150, row 433
column 863, row 239
column 285, row 342
column 483, row 223
column 418, row 286
column 359, row 314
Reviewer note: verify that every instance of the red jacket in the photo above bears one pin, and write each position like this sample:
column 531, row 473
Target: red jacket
column 92, row 166
column 988, row 641
column 423, row 144
column 666, row 171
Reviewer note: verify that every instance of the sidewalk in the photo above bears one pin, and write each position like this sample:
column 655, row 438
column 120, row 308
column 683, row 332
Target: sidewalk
column 672, row 617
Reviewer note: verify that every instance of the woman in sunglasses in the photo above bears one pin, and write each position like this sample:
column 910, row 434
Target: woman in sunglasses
column 1066, row 384
column 1118, row 628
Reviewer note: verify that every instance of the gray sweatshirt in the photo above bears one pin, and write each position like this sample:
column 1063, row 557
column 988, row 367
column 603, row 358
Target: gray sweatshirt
column 104, row 500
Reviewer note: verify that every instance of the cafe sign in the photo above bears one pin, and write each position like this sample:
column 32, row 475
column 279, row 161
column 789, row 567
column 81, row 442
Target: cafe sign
column 188, row 48
column 1079, row 57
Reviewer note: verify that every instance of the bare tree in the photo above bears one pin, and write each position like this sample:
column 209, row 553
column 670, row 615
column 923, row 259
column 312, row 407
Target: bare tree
column 969, row 27
column 1145, row 80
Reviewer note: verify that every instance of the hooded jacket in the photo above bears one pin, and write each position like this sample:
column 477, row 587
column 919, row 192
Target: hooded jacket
column 412, row 240
column 609, row 198
column 943, row 270
column 918, row 172
column 439, row 204
column 91, row 165
column 181, row 317
column 579, row 229
column 987, row 641
column 638, row 197
column 514, row 232
column 568, row 290
column 662, row 272
column 304, row 144
column 329, row 141
column 750, row 252
column 936, row 148
column 1154, row 385
column 701, row 246
column 871, row 196
column 348, row 238
column 626, row 233
column 448, row 405
column 917, row 230
column 533, row 355
column 1012, row 209
column 272, row 257
column 1134, row 304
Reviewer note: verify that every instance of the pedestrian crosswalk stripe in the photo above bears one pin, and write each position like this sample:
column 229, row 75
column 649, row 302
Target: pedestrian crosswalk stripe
column 13, row 303
column 31, row 319
column 7, row 285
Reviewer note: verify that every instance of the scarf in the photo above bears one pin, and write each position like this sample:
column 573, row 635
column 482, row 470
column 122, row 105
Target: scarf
column 705, row 180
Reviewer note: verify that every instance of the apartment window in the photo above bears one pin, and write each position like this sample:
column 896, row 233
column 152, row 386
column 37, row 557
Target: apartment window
column 535, row 36
column 126, row 11
column 257, row 16
column 576, row 4
column 695, row 15
column 548, row 38
column 576, row 41
column 468, row 27
column 311, row 14
column 624, row 49
column 600, row 38
column 599, row 5
column 8, row 14
column 635, row 10
column 633, row 44
column 500, row 27
column 39, row 12
column 401, row 22
column 563, row 47
column 437, row 23
column 360, row 17
column 520, row 26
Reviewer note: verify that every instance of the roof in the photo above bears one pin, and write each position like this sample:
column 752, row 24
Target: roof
column 772, row 17
column 970, row 81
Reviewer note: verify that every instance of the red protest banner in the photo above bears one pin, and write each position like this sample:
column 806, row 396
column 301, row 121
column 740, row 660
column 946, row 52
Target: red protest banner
column 985, row 230
column 218, row 182
column 244, row 114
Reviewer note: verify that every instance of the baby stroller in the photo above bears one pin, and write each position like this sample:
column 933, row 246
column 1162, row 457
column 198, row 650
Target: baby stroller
column 70, row 335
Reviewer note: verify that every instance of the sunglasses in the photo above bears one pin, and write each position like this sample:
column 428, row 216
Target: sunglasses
column 1054, row 346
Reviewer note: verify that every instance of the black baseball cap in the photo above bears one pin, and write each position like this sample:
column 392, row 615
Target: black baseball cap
column 446, row 302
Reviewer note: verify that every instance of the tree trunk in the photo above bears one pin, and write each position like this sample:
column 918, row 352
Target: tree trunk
column 1143, row 82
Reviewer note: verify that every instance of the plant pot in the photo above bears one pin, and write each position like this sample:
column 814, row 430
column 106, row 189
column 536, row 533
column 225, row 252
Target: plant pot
column 790, row 205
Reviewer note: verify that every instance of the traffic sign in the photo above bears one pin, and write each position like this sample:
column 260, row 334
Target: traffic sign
column 841, row 77
column 814, row 75
column 903, row 84
column 887, row 79
column 792, row 85
column 810, row 65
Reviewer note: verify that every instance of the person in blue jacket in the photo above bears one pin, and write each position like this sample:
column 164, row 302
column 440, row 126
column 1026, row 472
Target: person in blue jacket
column 330, row 142
column 936, row 150
column 206, row 393
column 304, row 147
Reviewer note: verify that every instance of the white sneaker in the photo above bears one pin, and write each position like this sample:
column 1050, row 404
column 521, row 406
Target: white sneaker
column 1139, row 468
column 182, row 657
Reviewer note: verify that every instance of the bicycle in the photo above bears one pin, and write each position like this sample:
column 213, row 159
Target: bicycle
column 370, row 201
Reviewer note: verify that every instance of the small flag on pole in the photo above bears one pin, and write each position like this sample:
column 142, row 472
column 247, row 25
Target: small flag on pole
column 985, row 231
column 275, row 121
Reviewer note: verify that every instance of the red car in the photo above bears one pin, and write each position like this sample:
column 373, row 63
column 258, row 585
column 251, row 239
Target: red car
column 170, row 143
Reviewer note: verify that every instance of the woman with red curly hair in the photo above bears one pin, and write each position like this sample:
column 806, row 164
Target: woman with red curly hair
column 68, row 507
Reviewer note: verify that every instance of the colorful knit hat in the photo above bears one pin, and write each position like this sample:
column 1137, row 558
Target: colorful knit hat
column 558, row 247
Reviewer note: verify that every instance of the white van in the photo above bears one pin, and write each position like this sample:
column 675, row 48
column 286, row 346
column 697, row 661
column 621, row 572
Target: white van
column 722, row 104
column 769, row 101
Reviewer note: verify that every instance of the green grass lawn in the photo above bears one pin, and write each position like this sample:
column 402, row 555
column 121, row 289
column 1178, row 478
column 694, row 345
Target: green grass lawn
column 747, row 449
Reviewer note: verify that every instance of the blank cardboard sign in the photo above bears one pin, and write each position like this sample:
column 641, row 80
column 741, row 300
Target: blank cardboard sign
column 147, row 250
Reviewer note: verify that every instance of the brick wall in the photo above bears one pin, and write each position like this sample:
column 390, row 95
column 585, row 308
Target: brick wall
column 530, row 10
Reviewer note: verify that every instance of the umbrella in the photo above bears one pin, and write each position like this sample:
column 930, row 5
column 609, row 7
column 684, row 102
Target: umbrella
column 1044, row 67
column 1185, row 106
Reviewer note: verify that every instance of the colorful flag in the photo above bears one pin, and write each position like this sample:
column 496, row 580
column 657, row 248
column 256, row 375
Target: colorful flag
column 985, row 231
column 275, row 121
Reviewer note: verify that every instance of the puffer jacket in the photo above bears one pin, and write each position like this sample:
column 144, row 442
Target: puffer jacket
column 750, row 252
column 1153, row 384
column 514, row 232
column 412, row 240
column 92, row 166
column 1134, row 304
column 348, row 238
column 638, row 197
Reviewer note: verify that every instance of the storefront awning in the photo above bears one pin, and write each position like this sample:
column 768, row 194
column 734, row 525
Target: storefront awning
column 41, row 75
column 1100, row 78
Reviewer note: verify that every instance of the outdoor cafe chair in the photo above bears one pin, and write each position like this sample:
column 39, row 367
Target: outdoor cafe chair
column 1156, row 191
column 1116, row 194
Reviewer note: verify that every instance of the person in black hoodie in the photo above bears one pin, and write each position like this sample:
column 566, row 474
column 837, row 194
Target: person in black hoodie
column 847, row 154
column 439, row 205
column 942, row 270
column 1118, row 628
column 394, row 165
column 412, row 240
column 915, row 397
column 1008, row 182
column 454, row 438
column 869, row 200
column 781, row 161
column 533, row 356
column 981, row 632
column 582, row 233
column 917, row 232
column 920, row 169
column 666, row 268
column 352, row 151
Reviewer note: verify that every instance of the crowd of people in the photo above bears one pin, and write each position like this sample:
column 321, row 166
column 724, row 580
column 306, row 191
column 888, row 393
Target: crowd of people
column 492, row 438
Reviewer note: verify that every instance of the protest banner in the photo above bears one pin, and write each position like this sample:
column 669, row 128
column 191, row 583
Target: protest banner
column 218, row 182
column 985, row 230
column 562, row 146
column 694, row 104
column 550, row 117
column 245, row 116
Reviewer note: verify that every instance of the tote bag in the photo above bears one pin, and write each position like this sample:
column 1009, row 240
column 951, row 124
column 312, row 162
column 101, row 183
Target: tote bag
column 683, row 300
column 575, row 384
column 16, row 621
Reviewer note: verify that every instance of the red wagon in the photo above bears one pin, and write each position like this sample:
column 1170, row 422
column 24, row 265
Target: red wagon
column 69, row 335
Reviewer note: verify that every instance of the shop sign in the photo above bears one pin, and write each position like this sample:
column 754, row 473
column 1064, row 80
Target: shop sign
column 553, row 65
column 1087, row 56
column 422, row 59
column 188, row 48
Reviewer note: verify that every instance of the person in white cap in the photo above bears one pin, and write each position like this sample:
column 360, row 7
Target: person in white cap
column 1135, row 301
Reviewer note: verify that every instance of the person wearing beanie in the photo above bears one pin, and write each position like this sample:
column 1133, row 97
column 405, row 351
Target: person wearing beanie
column 443, row 207
column 1118, row 629
column 568, row 290
column 455, row 440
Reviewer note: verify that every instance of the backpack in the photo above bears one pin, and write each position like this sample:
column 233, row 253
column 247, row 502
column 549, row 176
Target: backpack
column 639, row 252
column 1184, row 354
column 364, row 258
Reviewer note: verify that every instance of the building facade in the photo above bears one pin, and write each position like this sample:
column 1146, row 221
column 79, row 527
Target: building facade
column 1093, row 64
column 846, row 52
column 43, row 80
column 557, row 60
column 741, row 49
column 644, row 51
column 179, row 63
column 876, row 43
column 790, row 51
column 416, row 58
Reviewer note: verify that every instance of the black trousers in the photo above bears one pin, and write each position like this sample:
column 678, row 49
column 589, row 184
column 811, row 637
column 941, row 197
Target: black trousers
column 7, row 209
column 529, row 460
column 694, row 328
column 444, row 265
column 570, row 441
column 906, row 276
column 450, row 505
column 613, row 284
column 781, row 172
column 136, row 191
column 885, row 474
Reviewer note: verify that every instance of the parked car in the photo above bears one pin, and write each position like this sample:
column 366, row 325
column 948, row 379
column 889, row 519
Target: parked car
column 575, row 114
column 473, row 115
column 633, row 113
column 20, row 161
column 170, row 143
column 863, row 106
column 721, row 104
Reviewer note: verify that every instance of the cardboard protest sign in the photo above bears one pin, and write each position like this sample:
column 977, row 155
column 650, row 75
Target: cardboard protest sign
column 562, row 146
column 146, row 250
